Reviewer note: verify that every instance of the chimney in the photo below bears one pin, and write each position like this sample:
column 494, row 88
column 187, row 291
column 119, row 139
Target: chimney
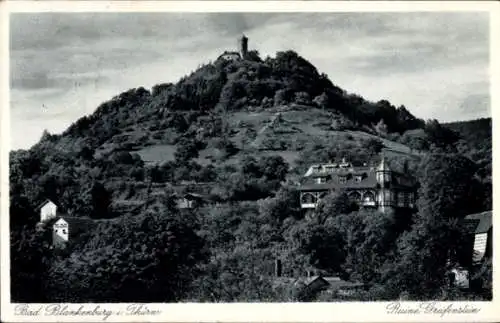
column 278, row 268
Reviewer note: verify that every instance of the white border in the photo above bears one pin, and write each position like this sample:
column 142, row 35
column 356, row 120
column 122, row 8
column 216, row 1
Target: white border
column 258, row 312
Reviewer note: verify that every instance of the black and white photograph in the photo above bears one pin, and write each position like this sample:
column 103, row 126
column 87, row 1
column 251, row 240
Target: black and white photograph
column 250, row 157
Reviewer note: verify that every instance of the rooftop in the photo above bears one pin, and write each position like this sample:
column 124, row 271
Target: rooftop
column 479, row 222
column 42, row 204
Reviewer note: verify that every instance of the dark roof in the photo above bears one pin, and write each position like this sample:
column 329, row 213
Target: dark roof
column 479, row 222
column 370, row 181
column 191, row 195
column 230, row 53
column 333, row 168
column 312, row 279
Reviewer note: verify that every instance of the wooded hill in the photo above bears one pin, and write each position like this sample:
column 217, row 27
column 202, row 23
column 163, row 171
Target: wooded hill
column 242, row 133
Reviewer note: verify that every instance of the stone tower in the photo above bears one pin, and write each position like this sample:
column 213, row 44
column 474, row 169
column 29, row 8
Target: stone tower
column 243, row 46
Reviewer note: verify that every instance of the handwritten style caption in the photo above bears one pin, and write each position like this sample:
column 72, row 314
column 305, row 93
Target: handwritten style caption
column 433, row 308
column 62, row 310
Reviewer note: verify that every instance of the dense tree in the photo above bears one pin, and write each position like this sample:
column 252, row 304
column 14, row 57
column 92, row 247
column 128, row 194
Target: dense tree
column 273, row 167
column 424, row 252
column 154, row 252
column 370, row 240
column 30, row 260
column 284, row 204
column 447, row 186
column 332, row 205
column 101, row 200
column 439, row 135
column 148, row 258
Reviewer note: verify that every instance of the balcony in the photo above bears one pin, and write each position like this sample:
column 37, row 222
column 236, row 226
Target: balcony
column 370, row 203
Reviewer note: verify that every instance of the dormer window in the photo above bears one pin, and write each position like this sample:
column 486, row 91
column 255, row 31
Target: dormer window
column 321, row 180
column 343, row 179
column 358, row 178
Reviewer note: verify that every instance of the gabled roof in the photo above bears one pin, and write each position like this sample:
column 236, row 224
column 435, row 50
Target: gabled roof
column 195, row 195
column 312, row 279
column 42, row 204
column 479, row 222
column 368, row 181
column 191, row 195
column 230, row 53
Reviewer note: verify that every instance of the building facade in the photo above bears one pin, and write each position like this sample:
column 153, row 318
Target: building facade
column 476, row 247
column 371, row 187
column 60, row 233
column 480, row 231
column 64, row 227
column 48, row 210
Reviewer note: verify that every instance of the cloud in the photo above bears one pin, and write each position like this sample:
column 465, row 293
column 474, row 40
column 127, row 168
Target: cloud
column 436, row 64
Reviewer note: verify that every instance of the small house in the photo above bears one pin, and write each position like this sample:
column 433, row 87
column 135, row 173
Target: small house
column 229, row 56
column 69, row 228
column 47, row 210
column 478, row 235
column 60, row 233
column 315, row 284
column 190, row 201
column 480, row 227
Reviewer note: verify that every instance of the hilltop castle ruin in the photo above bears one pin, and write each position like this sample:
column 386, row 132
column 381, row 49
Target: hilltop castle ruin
column 242, row 52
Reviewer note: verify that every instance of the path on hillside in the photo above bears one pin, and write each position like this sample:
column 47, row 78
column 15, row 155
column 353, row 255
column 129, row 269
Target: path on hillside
column 390, row 145
column 272, row 120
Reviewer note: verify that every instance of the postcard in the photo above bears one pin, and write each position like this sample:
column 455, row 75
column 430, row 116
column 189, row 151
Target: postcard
column 236, row 161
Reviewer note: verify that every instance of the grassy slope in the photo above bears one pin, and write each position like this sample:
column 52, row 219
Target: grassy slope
column 295, row 128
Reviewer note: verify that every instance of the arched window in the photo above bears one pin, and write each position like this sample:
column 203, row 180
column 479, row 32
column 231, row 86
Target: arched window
column 355, row 196
column 368, row 197
column 308, row 198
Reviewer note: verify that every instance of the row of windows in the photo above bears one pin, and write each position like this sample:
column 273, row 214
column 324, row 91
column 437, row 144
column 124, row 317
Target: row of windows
column 402, row 198
column 342, row 179
column 308, row 198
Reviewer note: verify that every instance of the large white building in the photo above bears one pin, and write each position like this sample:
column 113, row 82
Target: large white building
column 370, row 186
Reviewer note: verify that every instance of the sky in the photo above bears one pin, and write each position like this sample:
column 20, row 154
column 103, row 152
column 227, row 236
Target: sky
column 63, row 65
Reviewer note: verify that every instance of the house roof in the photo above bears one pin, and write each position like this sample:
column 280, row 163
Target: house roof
column 42, row 204
column 479, row 222
column 369, row 181
column 230, row 53
column 331, row 283
column 333, row 173
column 191, row 195
column 195, row 195
column 313, row 279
